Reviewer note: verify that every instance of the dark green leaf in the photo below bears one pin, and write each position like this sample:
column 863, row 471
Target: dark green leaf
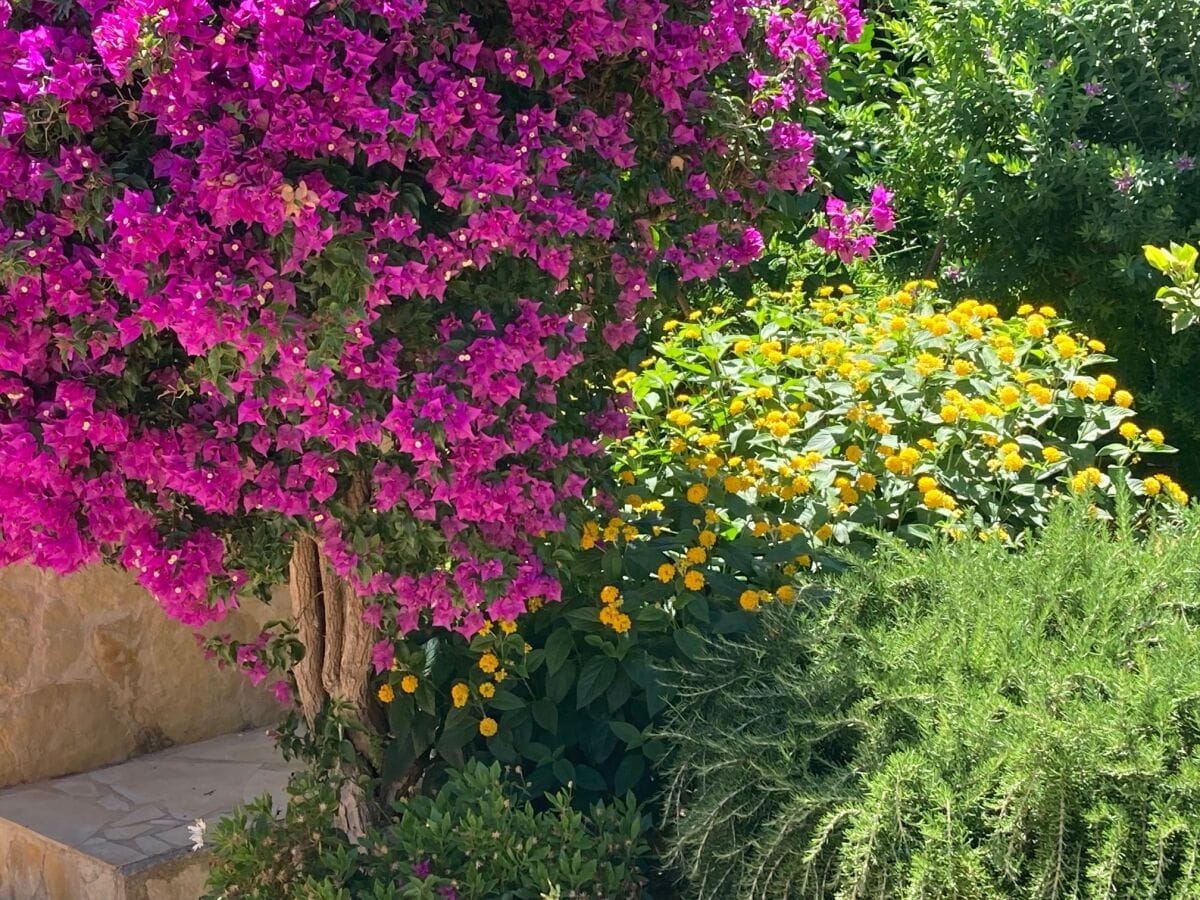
column 594, row 678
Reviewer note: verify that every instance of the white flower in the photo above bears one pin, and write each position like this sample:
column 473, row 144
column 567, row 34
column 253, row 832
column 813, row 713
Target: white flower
column 196, row 833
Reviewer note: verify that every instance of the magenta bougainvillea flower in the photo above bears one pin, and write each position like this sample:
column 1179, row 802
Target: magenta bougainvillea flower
column 255, row 255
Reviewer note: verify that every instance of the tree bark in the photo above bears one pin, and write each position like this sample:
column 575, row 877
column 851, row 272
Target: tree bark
column 337, row 642
column 336, row 666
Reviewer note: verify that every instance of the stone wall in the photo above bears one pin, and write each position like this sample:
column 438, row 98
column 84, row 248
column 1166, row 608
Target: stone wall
column 92, row 672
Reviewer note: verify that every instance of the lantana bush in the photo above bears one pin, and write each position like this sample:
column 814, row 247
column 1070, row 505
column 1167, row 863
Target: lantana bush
column 765, row 434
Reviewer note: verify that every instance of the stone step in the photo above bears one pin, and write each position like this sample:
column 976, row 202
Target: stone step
column 121, row 832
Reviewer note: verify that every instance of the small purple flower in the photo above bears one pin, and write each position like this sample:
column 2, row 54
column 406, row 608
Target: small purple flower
column 421, row 869
column 1049, row 63
column 953, row 274
column 1185, row 163
column 1077, row 144
column 1178, row 87
column 1092, row 88
column 1123, row 182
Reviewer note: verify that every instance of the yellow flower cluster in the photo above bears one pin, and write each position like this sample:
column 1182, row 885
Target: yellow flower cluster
column 1160, row 483
column 610, row 610
column 408, row 684
column 750, row 600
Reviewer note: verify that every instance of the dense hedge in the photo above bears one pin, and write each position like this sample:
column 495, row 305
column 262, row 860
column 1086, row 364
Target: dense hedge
column 966, row 722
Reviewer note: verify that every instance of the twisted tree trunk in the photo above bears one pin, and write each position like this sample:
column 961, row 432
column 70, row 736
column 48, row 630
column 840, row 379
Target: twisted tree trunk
column 337, row 659
column 337, row 642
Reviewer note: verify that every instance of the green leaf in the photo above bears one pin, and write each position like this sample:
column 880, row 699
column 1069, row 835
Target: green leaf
column 594, row 679
column 559, row 685
column 507, row 701
column 610, row 565
column 629, row 772
column 398, row 758
column 564, row 771
column 689, row 642
column 915, row 532
column 558, row 647
column 545, row 713
column 1158, row 257
column 459, row 728
column 589, row 779
column 400, row 715
column 631, row 735
column 425, row 698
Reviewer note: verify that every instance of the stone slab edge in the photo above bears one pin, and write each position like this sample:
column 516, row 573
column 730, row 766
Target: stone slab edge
column 42, row 868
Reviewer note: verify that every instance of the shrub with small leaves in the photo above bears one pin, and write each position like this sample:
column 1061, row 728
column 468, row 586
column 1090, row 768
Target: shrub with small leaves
column 479, row 837
column 1034, row 146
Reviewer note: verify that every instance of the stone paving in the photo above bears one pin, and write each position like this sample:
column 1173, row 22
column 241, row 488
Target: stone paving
column 135, row 815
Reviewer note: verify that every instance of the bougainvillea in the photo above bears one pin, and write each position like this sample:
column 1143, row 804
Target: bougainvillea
column 284, row 268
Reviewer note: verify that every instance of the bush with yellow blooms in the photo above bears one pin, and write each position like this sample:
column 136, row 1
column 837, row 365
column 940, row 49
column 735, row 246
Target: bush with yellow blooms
column 767, row 433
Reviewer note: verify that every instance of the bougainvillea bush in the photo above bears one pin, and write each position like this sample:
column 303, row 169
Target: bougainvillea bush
column 321, row 289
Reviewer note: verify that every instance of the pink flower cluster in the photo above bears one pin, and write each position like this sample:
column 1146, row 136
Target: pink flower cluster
column 850, row 232
column 254, row 252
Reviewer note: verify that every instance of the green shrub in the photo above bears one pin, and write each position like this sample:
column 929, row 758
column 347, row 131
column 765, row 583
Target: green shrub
column 478, row 838
column 1035, row 145
column 966, row 722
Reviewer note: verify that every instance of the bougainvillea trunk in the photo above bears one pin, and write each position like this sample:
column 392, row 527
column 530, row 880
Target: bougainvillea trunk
column 337, row 642
column 336, row 666
column 337, row 658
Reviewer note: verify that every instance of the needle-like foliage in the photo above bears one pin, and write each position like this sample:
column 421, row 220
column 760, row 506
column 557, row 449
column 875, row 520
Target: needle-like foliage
column 961, row 723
